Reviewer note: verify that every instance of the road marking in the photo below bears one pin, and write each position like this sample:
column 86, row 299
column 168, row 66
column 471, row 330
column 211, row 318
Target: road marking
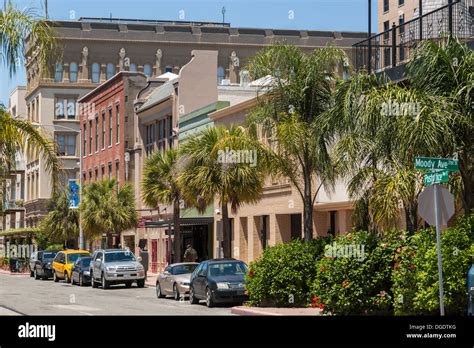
column 78, row 308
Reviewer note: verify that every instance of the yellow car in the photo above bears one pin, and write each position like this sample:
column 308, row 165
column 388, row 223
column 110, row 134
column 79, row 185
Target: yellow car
column 64, row 261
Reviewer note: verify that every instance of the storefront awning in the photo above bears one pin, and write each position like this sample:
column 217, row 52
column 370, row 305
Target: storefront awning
column 183, row 222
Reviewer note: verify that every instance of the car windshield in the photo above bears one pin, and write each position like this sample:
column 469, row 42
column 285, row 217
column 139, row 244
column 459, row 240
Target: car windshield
column 86, row 262
column 227, row 269
column 183, row 269
column 49, row 255
column 71, row 258
column 119, row 256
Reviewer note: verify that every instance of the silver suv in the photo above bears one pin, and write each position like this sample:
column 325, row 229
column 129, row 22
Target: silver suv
column 116, row 266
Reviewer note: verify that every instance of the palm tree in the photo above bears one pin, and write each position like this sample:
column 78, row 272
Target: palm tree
column 62, row 222
column 209, row 173
column 18, row 27
column 22, row 28
column 445, row 70
column 379, row 129
column 160, row 186
column 107, row 208
column 289, row 114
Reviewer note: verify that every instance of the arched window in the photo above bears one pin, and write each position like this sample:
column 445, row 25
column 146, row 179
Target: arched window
column 133, row 67
column 220, row 75
column 58, row 72
column 147, row 70
column 96, row 73
column 110, row 70
column 73, row 72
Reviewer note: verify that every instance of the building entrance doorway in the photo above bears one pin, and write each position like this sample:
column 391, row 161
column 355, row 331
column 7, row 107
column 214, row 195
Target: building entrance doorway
column 198, row 237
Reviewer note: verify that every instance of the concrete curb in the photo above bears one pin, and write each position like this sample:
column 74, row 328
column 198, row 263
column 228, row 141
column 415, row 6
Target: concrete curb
column 253, row 311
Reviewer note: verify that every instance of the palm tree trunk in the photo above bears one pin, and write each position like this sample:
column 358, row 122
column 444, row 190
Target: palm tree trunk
column 411, row 217
column 307, row 208
column 467, row 177
column 226, row 231
column 108, row 240
column 177, row 231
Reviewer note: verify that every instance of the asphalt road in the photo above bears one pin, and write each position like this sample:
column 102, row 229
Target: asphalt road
column 22, row 295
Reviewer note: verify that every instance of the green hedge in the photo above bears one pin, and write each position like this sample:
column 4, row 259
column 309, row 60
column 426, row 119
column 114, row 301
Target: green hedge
column 415, row 279
column 282, row 276
column 349, row 282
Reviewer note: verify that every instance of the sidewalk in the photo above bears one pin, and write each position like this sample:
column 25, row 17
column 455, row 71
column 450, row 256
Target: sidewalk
column 242, row 310
column 151, row 279
column 2, row 271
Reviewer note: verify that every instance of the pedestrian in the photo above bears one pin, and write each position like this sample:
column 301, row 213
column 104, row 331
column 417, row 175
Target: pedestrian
column 190, row 255
column 144, row 256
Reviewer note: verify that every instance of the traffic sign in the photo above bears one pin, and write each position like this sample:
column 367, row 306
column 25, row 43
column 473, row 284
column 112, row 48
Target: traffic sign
column 429, row 163
column 426, row 205
column 436, row 177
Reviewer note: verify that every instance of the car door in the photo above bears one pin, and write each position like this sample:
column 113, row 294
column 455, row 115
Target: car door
column 39, row 262
column 200, row 282
column 166, row 280
column 32, row 261
column 57, row 263
column 97, row 263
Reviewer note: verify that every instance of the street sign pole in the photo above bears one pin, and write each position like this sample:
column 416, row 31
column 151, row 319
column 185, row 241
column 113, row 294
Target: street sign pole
column 438, row 240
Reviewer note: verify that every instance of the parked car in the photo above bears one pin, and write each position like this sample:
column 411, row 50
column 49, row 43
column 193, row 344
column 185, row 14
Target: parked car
column 43, row 264
column 64, row 261
column 80, row 271
column 116, row 266
column 175, row 280
column 31, row 262
column 218, row 281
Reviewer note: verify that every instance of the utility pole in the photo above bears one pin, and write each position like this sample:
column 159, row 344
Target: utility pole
column 369, row 47
column 46, row 9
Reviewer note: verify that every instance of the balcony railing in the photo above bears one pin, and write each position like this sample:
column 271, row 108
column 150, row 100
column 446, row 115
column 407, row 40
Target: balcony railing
column 396, row 45
column 10, row 205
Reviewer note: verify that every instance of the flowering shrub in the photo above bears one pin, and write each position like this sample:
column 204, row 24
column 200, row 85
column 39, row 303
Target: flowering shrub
column 415, row 279
column 348, row 285
column 282, row 276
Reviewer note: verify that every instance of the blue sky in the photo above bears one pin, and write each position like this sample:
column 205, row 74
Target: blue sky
column 342, row 15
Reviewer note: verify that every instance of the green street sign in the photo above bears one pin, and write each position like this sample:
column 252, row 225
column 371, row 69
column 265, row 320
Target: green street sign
column 436, row 177
column 429, row 163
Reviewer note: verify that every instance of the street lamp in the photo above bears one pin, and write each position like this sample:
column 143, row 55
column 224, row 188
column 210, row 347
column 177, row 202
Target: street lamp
column 81, row 232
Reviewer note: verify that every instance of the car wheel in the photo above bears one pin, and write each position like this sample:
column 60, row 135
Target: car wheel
column 55, row 277
column 175, row 292
column 192, row 298
column 93, row 282
column 105, row 283
column 159, row 294
column 128, row 284
column 66, row 278
column 209, row 299
column 141, row 283
column 81, row 280
column 35, row 273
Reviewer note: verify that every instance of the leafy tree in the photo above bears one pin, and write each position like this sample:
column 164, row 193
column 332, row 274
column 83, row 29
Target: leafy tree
column 301, row 89
column 209, row 173
column 160, row 186
column 107, row 208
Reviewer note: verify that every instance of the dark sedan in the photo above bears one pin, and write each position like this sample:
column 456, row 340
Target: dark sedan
column 218, row 281
column 42, row 267
column 80, row 272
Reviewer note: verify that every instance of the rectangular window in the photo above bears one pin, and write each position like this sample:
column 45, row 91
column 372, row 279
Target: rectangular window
column 103, row 130
column 401, row 2
column 96, row 132
column 117, row 171
column 386, row 5
column 65, row 107
column 96, row 174
column 110, row 170
column 66, row 145
column 110, row 127
column 386, row 28
column 90, row 137
column 84, row 139
column 90, row 175
column 117, row 117
column 102, row 173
